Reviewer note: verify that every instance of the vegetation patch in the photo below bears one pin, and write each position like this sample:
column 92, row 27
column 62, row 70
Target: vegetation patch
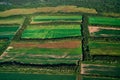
column 51, row 31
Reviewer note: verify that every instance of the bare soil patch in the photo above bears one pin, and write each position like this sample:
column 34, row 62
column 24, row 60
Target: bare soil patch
column 65, row 44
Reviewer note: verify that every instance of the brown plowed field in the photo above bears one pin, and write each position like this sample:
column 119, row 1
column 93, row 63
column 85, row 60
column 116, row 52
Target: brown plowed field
column 65, row 44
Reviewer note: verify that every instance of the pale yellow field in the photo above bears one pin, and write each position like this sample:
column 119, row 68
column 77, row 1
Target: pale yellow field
column 66, row 9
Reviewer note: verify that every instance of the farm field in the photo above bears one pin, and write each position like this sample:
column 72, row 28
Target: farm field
column 56, row 18
column 18, row 76
column 111, row 48
column 51, row 31
column 106, row 21
column 8, row 31
column 11, row 20
column 44, row 53
column 98, row 31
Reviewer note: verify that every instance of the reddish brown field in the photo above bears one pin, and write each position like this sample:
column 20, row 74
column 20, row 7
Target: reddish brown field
column 65, row 44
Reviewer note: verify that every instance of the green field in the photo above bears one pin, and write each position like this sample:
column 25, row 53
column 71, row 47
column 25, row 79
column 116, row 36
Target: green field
column 51, row 31
column 56, row 18
column 17, row 76
column 107, row 21
column 106, row 33
column 104, row 48
column 8, row 31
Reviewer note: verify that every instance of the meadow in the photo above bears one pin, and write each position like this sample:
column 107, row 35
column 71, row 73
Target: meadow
column 51, row 31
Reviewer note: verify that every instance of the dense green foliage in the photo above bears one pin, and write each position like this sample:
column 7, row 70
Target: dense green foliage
column 85, row 35
column 99, row 5
column 51, row 31
column 104, row 48
column 56, row 18
column 104, row 21
column 8, row 31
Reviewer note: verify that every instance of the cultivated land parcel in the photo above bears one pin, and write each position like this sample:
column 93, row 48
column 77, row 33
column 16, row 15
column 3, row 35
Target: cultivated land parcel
column 52, row 31
column 52, row 43
column 17, row 51
column 108, row 32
